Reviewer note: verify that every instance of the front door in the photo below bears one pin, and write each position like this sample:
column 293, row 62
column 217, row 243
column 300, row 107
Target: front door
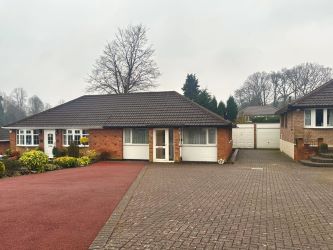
column 49, row 142
column 161, row 144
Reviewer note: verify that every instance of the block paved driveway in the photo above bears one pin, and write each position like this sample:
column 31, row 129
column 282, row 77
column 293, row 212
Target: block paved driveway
column 278, row 205
column 63, row 209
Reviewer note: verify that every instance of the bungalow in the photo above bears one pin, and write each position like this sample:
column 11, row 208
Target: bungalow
column 306, row 122
column 257, row 113
column 154, row 126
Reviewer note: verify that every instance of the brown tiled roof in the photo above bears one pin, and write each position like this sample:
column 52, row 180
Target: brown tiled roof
column 258, row 110
column 148, row 109
column 4, row 134
column 320, row 97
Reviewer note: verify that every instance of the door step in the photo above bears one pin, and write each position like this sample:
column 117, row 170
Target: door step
column 316, row 164
column 321, row 159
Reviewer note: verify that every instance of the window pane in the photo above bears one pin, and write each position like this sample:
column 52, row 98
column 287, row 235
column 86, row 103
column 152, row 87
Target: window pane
column 28, row 132
column 70, row 139
column 77, row 132
column 84, row 132
column 50, row 138
column 212, row 135
column 22, row 139
column 77, row 139
column 194, row 136
column 319, row 117
column 36, row 139
column 28, row 140
column 140, row 136
column 17, row 138
column 127, row 135
column 307, row 117
column 65, row 139
column 330, row 117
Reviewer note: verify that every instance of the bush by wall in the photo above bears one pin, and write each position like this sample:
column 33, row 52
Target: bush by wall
column 73, row 151
column 323, row 148
column 34, row 160
column 59, row 152
column 83, row 161
column 66, row 162
column 2, row 169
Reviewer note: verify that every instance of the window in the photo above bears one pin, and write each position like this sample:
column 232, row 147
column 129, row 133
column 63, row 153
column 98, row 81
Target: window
column 73, row 136
column 136, row 135
column 307, row 117
column 50, row 139
column 330, row 117
column 26, row 137
column 319, row 117
column 199, row 136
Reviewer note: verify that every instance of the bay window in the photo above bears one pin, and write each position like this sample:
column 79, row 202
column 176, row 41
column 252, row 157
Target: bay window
column 200, row 136
column 318, row 118
column 27, row 137
column 74, row 136
column 136, row 136
column 330, row 117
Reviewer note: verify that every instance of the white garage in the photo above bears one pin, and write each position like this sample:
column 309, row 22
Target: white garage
column 260, row 135
column 268, row 135
column 243, row 136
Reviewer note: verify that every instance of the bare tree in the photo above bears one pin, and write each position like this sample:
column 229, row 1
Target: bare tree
column 19, row 97
column 126, row 65
column 35, row 105
column 259, row 87
column 304, row 78
column 47, row 106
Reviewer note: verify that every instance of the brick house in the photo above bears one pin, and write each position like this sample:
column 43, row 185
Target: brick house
column 247, row 114
column 307, row 122
column 154, row 126
column 4, row 140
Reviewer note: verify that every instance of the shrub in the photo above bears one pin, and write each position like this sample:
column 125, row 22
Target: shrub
column 84, row 140
column 73, row 151
column 13, row 167
column 59, row 152
column 34, row 160
column 51, row 167
column 66, row 162
column 92, row 154
column 2, row 169
column 323, row 148
column 104, row 156
column 83, row 161
column 12, row 154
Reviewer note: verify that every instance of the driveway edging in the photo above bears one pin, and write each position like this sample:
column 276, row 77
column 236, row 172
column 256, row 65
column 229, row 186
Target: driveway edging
column 105, row 233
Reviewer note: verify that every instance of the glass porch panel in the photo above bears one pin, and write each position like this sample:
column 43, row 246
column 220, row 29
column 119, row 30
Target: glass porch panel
column 160, row 153
column 160, row 138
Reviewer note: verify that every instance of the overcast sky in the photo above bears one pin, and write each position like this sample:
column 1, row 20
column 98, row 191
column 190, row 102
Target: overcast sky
column 49, row 47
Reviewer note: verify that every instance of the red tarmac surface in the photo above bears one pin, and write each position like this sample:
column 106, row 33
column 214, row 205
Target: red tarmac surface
column 64, row 209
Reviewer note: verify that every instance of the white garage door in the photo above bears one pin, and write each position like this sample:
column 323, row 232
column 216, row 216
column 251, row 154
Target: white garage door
column 268, row 135
column 243, row 136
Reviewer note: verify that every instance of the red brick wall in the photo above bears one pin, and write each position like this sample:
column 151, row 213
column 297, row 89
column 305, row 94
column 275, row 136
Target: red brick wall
column 224, row 143
column 151, row 141
column 107, row 140
column 4, row 145
column 176, row 139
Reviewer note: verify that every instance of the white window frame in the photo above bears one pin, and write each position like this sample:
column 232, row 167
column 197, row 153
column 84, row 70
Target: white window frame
column 23, row 132
column 207, row 138
column 65, row 133
column 131, row 137
column 313, row 119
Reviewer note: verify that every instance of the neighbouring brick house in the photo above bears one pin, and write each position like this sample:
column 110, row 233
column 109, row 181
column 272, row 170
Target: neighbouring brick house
column 307, row 122
column 4, row 140
column 248, row 114
column 154, row 126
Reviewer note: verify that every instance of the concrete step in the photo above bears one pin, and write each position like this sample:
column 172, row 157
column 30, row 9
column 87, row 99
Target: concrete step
column 326, row 155
column 316, row 164
column 321, row 159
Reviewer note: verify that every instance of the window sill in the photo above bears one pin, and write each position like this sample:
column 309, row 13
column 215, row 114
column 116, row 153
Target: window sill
column 198, row 145
column 135, row 144
column 318, row 127
column 30, row 146
column 80, row 146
